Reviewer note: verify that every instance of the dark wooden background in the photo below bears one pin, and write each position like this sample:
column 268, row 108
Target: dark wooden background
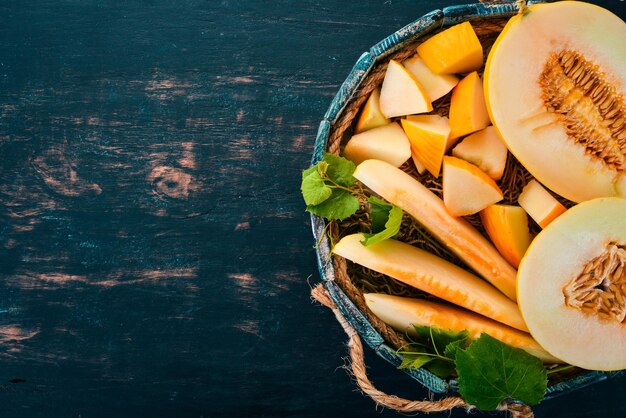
column 155, row 257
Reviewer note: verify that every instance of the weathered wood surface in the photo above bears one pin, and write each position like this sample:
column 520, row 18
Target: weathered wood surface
column 155, row 258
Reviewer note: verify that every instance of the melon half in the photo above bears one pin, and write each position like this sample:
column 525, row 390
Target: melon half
column 555, row 88
column 572, row 285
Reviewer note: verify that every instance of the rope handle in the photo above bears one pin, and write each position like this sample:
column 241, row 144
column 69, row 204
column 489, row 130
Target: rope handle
column 357, row 367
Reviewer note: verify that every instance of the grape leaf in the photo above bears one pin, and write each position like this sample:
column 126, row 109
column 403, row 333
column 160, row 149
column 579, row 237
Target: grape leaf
column 340, row 205
column 440, row 367
column 339, row 170
column 392, row 227
column 379, row 213
column 440, row 338
column 314, row 190
column 414, row 361
column 491, row 371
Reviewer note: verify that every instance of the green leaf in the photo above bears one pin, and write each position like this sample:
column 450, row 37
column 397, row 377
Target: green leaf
column 440, row 367
column 491, row 371
column 392, row 227
column 308, row 171
column 314, row 190
column 440, row 339
column 379, row 213
column 340, row 205
column 414, row 361
column 339, row 170
column 454, row 347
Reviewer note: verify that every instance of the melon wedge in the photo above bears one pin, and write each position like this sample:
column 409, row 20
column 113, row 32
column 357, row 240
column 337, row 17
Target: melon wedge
column 428, row 135
column 507, row 226
column 461, row 238
column 371, row 116
column 402, row 313
column 401, row 93
column 466, row 188
column 433, row 275
column 555, row 86
column 388, row 143
column 436, row 85
column 484, row 149
column 573, row 307
column 421, row 168
column 453, row 51
column 539, row 203
column 468, row 111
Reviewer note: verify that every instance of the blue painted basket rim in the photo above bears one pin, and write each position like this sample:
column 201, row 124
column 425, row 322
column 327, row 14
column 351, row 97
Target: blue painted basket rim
column 412, row 32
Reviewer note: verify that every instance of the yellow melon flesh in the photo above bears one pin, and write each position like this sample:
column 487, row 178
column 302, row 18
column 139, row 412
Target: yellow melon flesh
column 453, row 51
column 507, row 226
column 539, row 204
column 371, row 115
column 571, row 285
column 401, row 94
column 433, row 275
column 468, row 111
column 402, row 313
column 555, row 85
column 460, row 237
column 484, row 149
column 436, row 85
column 421, row 168
column 467, row 189
column 428, row 135
column 387, row 143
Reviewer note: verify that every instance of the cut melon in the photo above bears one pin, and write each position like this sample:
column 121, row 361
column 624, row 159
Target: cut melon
column 484, row 149
column 401, row 93
column 421, row 168
column 456, row 234
column 453, row 51
column 539, row 203
column 371, row 115
column 572, row 285
column 388, row 143
column 555, row 85
column 433, row 275
column 428, row 135
column 468, row 111
column 507, row 226
column 436, row 85
column 402, row 313
column 466, row 188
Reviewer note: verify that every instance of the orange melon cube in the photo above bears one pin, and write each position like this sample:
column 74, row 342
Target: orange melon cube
column 507, row 226
column 453, row 51
column 371, row 115
column 468, row 111
column 428, row 135
column 484, row 149
column 539, row 203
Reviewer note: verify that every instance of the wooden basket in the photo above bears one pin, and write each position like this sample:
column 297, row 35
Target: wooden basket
column 345, row 286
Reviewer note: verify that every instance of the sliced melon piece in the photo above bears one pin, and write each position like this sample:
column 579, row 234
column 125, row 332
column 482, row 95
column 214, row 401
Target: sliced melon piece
column 466, row 188
column 401, row 93
column 539, row 203
column 421, row 168
column 507, row 226
column 468, row 112
column 456, row 234
column 436, row 85
column 371, row 116
column 402, row 313
column 484, row 149
column 428, row 135
column 572, row 285
column 555, row 85
column 453, row 51
column 433, row 275
column 388, row 143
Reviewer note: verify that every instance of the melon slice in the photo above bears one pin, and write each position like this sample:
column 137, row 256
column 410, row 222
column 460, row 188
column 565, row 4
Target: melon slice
column 402, row 313
column 371, row 115
column 555, row 85
column 388, row 143
column 433, row 275
column 436, row 85
column 401, row 93
column 453, row 51
column 421, row 168
column 468, row 111
column 456, row 234
column 467, row 189
column 572, row 285
column 507, row 226
column 428, row 135
column 484, row 149
column 539, row 203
